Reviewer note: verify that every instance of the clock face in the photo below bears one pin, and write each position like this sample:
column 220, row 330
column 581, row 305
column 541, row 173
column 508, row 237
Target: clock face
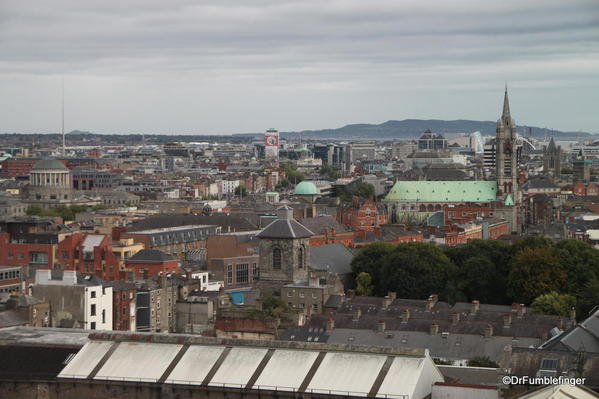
column 271, row 141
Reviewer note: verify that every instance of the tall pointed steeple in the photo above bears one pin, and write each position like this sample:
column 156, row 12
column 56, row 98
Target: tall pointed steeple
column 506, row 106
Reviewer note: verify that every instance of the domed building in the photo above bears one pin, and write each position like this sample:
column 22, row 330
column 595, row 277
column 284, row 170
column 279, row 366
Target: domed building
column 50, row 185
column 306, row 188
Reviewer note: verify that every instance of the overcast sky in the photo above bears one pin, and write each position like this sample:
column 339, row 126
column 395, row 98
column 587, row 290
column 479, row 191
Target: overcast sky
column 189, row 66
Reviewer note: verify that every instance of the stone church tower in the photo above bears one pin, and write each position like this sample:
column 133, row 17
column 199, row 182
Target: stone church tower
column 506, row 156
column 284, row 253
column 551, row 159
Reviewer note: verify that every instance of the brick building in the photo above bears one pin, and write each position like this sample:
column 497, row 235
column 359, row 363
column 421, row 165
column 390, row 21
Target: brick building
column 123, row 305
column 327, row 231
column 151, row 262
column 361, row 214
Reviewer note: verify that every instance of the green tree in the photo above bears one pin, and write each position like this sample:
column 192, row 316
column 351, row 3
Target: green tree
column 416, row 270
column 482, row 267
column 241, row 191
column 535, row 271
column 291, row 173
column 581, row 263
column 588, row 298
column 554, row 303
column 35, row 210
column 369, row 260
column 482, row 361
column 364, row 284
column 362, row 190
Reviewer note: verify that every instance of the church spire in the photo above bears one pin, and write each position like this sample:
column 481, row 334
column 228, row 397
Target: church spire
column 506, row 105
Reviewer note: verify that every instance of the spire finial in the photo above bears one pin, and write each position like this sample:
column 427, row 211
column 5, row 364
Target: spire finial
column 506, row 104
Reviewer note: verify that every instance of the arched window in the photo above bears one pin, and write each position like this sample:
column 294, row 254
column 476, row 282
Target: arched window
column 276, row 258
column 300, row 258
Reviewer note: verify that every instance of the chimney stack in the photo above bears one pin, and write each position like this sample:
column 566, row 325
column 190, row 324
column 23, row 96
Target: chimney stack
column 475, row 307
column 381, row 326
column 330, row 322
column 392, row 295
column 507, row 320
column 434, row 329
column 357, row 314
column 405, row 316
column 429, row 304
column 519, row 308
column 455, row 318
column 386, row 301
column 488, row 331
column 435, row 298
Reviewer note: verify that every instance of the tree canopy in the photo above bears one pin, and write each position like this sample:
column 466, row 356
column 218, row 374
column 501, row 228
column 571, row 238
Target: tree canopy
column 551, row 276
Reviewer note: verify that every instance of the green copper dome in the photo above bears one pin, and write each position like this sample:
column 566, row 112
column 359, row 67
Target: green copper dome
column 306, row 188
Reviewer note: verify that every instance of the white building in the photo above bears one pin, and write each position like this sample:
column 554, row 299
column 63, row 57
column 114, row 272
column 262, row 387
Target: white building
column 77, row 300
column 228, row 186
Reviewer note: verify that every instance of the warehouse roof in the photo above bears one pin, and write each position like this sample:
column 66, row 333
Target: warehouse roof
column 265, row 365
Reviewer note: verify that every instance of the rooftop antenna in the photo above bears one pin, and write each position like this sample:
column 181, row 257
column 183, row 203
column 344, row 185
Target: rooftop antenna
column 64, row 148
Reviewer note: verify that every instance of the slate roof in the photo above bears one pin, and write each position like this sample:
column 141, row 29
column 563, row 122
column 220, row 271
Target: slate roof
column 585, row 336
column 335, row 258
column 151, row 255
column 285, row 228
column 320, row 224
column 228, row 222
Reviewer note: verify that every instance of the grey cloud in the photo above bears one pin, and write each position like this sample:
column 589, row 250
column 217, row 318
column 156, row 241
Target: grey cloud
column 317, row 49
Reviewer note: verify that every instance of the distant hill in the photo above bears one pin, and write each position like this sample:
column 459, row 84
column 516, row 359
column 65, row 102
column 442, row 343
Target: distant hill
column 413, row 128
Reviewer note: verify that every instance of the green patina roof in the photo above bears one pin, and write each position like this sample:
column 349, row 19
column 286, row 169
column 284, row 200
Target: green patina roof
column 509, row 201
column 306, row 188
column 443, row 191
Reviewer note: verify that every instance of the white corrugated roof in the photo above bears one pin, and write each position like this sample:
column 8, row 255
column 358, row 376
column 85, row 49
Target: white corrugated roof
column 330, row 369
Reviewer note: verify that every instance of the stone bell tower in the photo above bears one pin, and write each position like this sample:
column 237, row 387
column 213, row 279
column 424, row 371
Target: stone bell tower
column 284, row 253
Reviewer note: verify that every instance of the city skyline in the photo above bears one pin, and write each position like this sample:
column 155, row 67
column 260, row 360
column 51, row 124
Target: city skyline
column 236, row 67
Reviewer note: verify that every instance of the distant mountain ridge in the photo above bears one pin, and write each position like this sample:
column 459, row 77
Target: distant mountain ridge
column 413, row 128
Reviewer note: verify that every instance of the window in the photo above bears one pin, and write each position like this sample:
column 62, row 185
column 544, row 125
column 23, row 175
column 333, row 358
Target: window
column 21, row 256
column 65, row 254
column 242, row 273
column 93, row 310
column 549, row 364
column 301, row 295
column 93, row 325
column 92, row 294
column 276, row 259
column 315, row 307
column 255, row 272
column 103, row 315
column 289, row 294
column 300, row 258
column 229, row 274
column 10, row 255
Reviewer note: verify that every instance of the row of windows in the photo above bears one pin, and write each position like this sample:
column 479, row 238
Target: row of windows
column 20, row 256
column 10, row 288
column 10, row 275
column 303, row 306
column 301, row 294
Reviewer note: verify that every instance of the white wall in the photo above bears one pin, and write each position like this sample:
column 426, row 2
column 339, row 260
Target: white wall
column 103, row 302
column 458, row 392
